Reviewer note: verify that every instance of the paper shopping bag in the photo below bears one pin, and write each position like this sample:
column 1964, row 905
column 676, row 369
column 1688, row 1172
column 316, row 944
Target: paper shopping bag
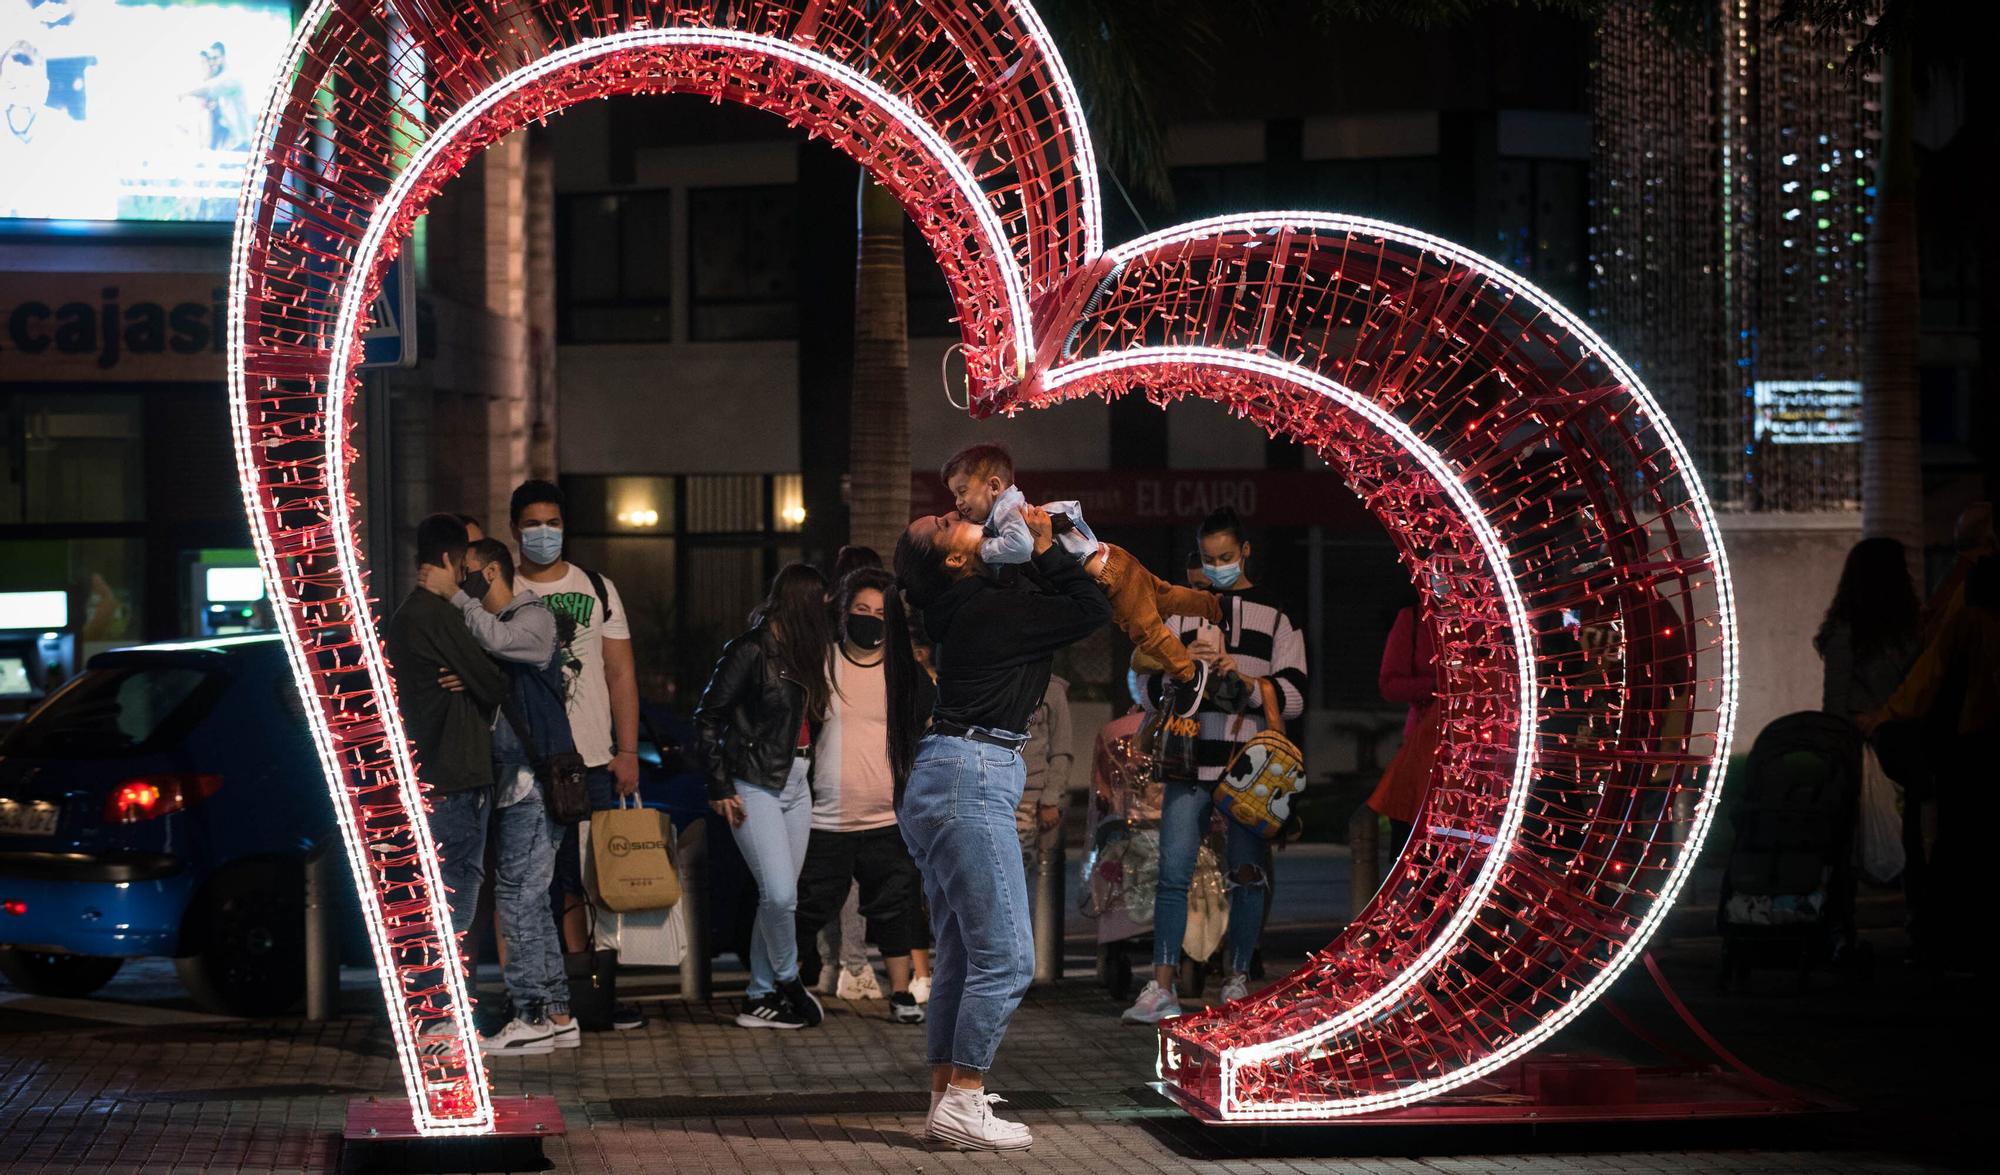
column 631, row 850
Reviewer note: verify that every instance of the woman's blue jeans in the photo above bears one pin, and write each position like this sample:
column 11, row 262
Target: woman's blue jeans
column 958, row 819
column 772, row 838
column 1184, row 815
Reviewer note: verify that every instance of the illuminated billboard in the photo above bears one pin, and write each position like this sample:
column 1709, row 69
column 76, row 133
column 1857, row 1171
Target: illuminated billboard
column 131, row 110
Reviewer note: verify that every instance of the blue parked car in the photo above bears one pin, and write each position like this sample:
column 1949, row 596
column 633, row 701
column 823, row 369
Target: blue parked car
column 164, row 802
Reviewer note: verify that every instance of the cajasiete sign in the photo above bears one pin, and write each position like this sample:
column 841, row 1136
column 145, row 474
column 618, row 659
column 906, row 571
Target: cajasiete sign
column 111, row 326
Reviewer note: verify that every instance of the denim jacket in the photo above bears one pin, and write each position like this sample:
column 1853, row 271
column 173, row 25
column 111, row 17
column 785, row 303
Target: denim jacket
column 535, row 694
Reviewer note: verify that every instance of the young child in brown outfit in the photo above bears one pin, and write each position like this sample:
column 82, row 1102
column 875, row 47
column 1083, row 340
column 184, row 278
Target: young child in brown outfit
column 981, row 481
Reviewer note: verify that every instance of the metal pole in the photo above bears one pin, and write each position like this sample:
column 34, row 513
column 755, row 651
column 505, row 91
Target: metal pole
column 694, row 911
column 322, row 940
column 1050, row 882
column 1364, row 842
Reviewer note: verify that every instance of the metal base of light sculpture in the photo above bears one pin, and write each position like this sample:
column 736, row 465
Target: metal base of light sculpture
column 383, row 1135
column 1556, row 1089
column 1568, row 559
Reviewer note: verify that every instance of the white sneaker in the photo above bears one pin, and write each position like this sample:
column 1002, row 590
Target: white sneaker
column 437, row 1038
column 1154, row 1004
column 519, row 1038
column 964, row 1118
column 565, row 1036
column 920, row 987
column 858, row 985
column 1238, row 988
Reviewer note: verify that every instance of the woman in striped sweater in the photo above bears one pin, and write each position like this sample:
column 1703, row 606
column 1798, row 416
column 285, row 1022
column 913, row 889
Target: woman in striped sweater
column 1258, row 642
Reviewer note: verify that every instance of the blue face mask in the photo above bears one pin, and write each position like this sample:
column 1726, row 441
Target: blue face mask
column 541, row 544
column 1222, row 575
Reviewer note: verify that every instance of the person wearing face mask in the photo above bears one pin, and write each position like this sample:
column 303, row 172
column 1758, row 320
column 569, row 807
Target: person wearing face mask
column 1259, row 646
column 449, row 729
column 859, row 762
column 846, row 938
column 600, row 682
column 513, row 625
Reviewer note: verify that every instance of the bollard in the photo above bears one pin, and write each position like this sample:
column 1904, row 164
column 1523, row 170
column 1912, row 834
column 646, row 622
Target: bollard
column 1050, row 880
column 693, row 846
column 1364, row 844
column 322, row 937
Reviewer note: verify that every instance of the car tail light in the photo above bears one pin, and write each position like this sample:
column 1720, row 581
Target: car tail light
column 14, row 906
column 152, row 796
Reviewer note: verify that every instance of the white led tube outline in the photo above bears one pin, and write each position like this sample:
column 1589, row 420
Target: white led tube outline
column 1266, row 223
column 481, row 1120
column 1526, row 751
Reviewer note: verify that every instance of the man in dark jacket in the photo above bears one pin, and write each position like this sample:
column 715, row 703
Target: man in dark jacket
column 450, row 731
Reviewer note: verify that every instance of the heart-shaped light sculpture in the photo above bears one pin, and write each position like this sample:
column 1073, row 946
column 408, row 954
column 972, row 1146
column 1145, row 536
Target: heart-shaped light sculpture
column 1568, row 558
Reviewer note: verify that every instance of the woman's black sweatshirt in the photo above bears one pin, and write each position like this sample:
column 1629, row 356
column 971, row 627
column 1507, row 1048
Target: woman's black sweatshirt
column 992, row 642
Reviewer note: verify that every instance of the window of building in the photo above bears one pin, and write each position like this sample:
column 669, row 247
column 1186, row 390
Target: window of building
column 743, row 276
column 616, row 280
column 692, row 555
column 71, row 457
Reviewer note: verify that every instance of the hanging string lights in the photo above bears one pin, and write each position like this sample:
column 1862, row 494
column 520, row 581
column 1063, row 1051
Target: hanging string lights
column 1731, row 191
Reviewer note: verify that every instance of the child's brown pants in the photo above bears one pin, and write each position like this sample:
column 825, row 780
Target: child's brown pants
column 1139, row 602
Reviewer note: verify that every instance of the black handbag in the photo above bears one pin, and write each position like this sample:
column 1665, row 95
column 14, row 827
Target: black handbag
column 593, row 980
column 593, row 986
column 562, row 775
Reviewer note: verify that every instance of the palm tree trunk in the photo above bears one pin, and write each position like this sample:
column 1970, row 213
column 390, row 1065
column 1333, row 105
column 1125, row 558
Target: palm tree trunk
column 879, row 452
column 1892, row 492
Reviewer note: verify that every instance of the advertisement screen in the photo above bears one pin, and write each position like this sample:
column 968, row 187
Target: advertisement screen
column 132, row 110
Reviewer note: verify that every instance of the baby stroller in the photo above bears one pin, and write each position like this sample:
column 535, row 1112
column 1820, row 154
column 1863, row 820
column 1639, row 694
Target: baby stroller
column 1788, row 889
column 1122, row 868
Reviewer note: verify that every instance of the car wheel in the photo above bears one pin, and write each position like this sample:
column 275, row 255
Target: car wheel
column 43, row 973
column 247, row 934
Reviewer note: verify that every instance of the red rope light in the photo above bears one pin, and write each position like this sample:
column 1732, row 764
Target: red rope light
column 1532, row 487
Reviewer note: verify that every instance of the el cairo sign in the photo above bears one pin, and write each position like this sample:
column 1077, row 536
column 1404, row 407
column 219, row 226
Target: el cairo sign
column 111, row 326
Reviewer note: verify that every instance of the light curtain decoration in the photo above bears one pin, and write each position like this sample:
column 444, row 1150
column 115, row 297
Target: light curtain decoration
column 1732, row 186
column 1567, row 556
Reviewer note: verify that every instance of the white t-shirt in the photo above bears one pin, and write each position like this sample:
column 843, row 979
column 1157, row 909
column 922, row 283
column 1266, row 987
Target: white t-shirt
column 586, row 689
column 853, row 788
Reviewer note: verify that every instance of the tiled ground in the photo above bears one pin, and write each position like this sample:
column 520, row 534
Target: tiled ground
column 135, row 1080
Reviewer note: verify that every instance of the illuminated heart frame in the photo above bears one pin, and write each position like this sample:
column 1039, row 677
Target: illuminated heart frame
column 1569, row 562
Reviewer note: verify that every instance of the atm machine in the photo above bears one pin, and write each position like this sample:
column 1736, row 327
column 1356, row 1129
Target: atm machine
column 226, row 600
column 37, row 650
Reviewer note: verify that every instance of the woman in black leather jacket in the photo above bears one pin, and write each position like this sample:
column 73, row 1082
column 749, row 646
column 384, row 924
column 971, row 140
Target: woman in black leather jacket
column 756, row 722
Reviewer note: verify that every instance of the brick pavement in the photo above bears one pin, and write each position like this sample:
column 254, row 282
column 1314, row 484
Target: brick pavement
column 181, row 1092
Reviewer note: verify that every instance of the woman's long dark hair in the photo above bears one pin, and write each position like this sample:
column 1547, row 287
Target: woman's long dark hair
column 1875, row 599
column 899, row 665
column 920, row 570
column 795, row 615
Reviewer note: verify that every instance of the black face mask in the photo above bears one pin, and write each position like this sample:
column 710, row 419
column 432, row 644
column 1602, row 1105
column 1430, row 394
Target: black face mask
column 866, row 631
column 474, row 584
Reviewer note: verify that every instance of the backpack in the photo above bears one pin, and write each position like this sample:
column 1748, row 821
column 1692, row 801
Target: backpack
column 1257, row 786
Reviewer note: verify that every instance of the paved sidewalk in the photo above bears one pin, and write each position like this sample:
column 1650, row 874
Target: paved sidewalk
column 133, row 1079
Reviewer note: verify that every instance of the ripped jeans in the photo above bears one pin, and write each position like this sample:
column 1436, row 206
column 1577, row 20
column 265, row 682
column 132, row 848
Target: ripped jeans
column 1184, row 814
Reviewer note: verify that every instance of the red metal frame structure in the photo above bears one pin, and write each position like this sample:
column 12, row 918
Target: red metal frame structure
column 1567, row 555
